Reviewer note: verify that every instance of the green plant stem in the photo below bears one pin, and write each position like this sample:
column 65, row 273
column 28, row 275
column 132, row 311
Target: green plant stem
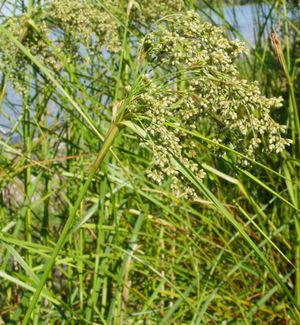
column 111, row 135
column 295, row 127
column 27, row 173
column 297, row 261
column 30, row 6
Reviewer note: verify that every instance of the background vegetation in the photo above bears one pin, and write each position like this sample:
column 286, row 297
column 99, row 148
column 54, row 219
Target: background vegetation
column 90, row 234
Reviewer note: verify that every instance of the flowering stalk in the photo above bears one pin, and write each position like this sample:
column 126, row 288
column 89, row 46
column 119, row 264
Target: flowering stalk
column 110, row 137
column 185, row 77
column 192, row 80
column 295, row 127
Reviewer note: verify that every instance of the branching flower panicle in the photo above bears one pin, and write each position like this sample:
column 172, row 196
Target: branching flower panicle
column 61, row 28
column 191, row 80
column 83, row 21
column 145, row 11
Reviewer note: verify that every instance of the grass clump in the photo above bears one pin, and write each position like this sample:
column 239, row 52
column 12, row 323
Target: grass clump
column 124, row 193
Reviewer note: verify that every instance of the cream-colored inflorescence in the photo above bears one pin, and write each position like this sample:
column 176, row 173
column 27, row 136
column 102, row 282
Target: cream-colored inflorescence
column 82, row 22
column 145, row 11
column 191, row 80
column 56, row 34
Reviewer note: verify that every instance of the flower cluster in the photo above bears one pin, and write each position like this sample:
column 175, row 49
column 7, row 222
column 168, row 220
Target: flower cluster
column 20, row 28
column 192, row 80
column 155, row 108
column 186, row 41
column 82, row 21
column 59, row 33
column 145, row 11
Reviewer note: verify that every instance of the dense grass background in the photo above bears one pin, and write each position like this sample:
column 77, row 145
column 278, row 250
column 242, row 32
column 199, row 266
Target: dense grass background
column 84, row 228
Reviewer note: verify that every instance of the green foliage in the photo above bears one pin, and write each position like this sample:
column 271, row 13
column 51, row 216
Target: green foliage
column 144, row 176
